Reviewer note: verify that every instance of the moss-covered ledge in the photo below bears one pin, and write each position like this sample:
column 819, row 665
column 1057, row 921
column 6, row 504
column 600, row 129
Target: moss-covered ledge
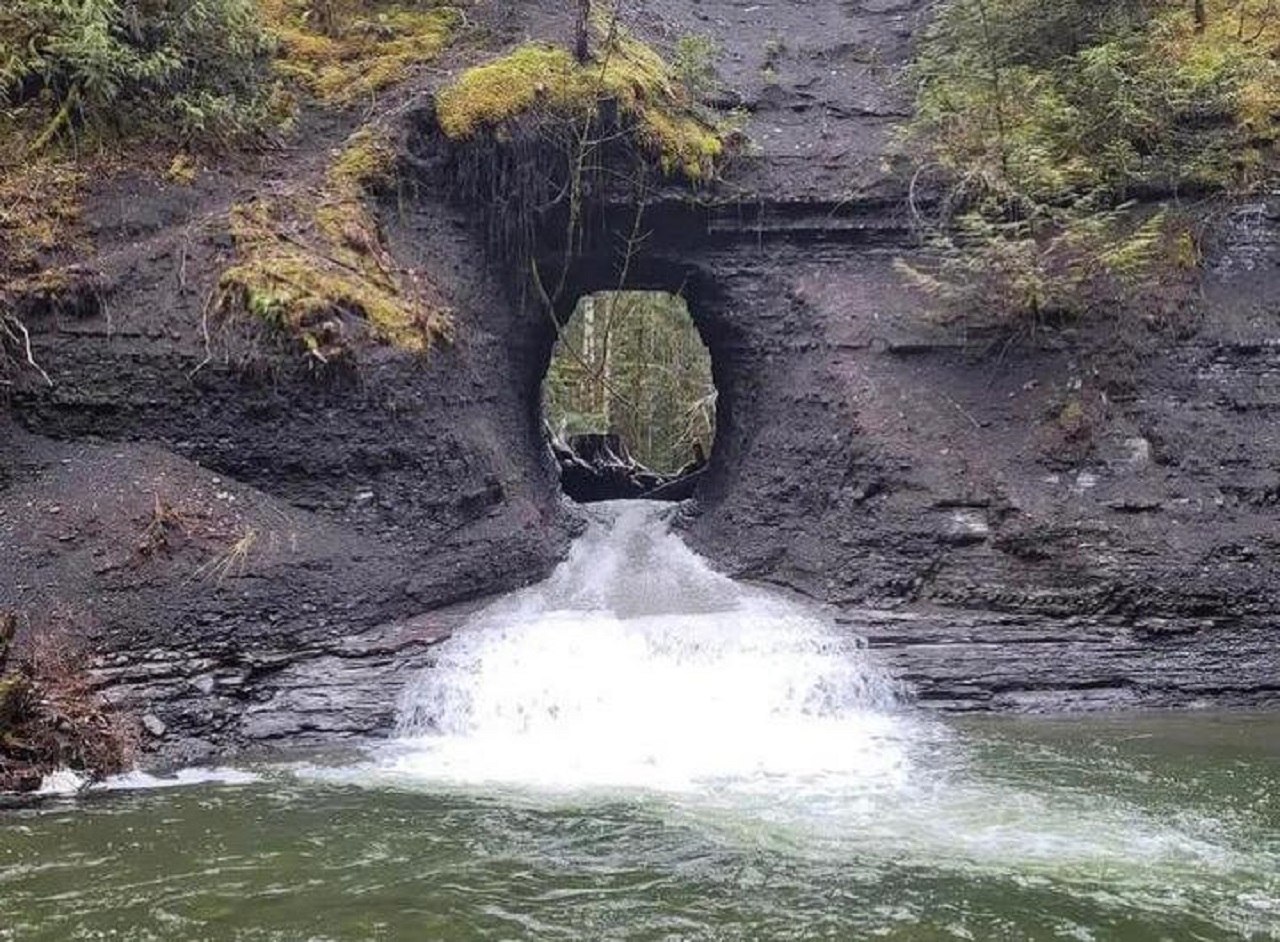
column 545, row 82
column 312, row 265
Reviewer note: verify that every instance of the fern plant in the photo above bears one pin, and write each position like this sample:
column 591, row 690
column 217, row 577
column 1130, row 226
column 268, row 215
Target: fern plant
column 1025, row 275
column 1039, row 124
column 199, row 66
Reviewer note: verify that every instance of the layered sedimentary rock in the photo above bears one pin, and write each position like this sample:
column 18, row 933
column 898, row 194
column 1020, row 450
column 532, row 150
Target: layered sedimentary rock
column 257, row 554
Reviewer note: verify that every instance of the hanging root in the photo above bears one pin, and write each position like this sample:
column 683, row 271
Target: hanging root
column 60, row 122
column 15, row 350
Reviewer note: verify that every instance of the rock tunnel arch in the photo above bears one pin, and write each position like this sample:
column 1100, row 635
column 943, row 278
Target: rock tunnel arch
column 660, row 240
column 596, row 275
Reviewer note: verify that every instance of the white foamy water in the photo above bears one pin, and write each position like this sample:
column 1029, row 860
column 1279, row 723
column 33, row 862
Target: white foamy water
column 641, row 748
column 68, row 782
column 638, row 672
column 637, row 665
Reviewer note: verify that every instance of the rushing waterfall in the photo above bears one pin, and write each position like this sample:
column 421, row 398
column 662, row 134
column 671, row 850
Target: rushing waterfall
column 639, row 748
column 636, row 667
column 636, row 664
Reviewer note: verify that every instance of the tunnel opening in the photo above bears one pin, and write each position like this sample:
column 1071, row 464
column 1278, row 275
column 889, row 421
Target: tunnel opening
column 629, row 400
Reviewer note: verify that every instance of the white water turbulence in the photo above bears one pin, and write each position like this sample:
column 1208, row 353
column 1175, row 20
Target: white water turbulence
column 66, row 782
column 637, row 665
column 637, row 673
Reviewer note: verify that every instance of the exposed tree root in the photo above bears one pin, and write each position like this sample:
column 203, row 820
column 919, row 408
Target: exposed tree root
column 51, row 717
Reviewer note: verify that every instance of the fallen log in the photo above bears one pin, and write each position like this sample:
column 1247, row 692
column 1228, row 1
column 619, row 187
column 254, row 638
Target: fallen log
column 598, row 467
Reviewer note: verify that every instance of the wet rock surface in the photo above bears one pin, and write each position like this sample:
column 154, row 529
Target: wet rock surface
column 250, row 548
column 319, row 691
column 973, row 662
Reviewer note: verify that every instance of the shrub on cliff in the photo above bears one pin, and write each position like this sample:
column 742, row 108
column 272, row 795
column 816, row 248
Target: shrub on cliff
column 111, row 65
column 1037, row 122
column 50, row 715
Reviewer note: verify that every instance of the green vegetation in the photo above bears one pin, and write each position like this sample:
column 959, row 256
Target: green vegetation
column 39, row 208
column 694, row 63
column 1040, row 122
column 632, row 363
column 202, row 68
column 541, row 134
column 10, row 684
column 14, row 689
column 77, row 74
column 111, row 66
column 86, row 84
column 314, row 266
column 546, row 82
column 344, row 51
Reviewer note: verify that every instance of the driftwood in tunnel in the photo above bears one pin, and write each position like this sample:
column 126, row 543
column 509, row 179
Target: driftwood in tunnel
column 597, row 467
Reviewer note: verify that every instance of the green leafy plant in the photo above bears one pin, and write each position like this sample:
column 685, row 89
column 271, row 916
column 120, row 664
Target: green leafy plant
column 197, row 65
column 632, row 363
column 1027, row 274
column 1038, row 124
column 695, row 64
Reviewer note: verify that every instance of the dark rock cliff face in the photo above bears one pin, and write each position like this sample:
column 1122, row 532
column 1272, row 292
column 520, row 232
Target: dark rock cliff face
column 864, row 458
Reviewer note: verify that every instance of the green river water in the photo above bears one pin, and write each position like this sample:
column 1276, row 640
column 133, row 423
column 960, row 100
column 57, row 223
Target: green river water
column 642, row 750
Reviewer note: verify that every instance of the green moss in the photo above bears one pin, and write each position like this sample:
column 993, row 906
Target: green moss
column 490, row 94
column 40, row 203
column 310, row 265
column 542, row 78
column 183, row 169
column 367, row 160
column 309, row 291
column 359, row 55
column 1072, row 417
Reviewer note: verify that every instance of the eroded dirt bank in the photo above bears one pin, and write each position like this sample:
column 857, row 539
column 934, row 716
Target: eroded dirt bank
column 258, row 555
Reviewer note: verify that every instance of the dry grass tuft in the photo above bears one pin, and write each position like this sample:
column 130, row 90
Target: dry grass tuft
column 233, row 560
